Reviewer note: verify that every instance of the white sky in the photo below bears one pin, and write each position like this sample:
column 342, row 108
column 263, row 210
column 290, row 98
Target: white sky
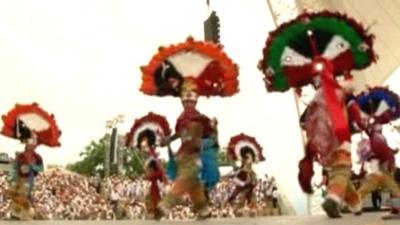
column 79, row 59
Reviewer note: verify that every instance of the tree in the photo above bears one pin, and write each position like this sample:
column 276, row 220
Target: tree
column 93, row 159
column 134, row 161
column 224, row 159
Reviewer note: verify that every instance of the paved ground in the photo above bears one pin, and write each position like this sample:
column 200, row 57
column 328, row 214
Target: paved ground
column 366, row 219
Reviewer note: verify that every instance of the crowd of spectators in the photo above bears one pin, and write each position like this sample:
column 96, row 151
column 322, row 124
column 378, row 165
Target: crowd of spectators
column 60, row 194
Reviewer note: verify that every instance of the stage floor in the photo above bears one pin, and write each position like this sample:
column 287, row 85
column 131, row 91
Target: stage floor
column 365, row 219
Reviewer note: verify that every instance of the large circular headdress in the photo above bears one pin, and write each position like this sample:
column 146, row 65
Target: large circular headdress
column 380, row 103
column 292, row 50
column 213, row 71
column 151, row 126
column 22, row 119
column 242, row 144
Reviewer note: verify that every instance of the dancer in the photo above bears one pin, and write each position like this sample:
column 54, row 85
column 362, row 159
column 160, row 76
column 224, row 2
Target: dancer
column 332, row 149
column 154, row 173
column 246, row 149
column 382, row 167
column 27, row 165
column 146, row 133
column 191, row 127
column 304, row 51
column 189, row 70
column 245, row 181
column 382, row 106
column 32, row 126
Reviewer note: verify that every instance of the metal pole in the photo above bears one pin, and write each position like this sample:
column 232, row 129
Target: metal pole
column 113, row 145
column 107, row 158
column 120, row 156
column 272, row 13
column 113, row 142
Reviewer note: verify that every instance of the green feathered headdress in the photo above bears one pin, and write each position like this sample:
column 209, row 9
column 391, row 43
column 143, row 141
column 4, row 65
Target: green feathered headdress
column 291, row 49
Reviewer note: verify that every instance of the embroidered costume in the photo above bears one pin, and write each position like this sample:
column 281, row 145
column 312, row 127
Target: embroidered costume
column 145, row 135
column 32, row 126
column 246, row 149
column 189, row 70
column 381, row 105
column 315, row 48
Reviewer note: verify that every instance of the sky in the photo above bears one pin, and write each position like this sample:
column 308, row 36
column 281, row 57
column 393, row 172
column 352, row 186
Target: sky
column 80, row 59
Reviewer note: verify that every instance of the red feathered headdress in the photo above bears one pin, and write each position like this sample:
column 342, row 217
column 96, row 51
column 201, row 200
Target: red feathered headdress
column 35, row 119
column 214, row 72
column 151, row 123
column 239, row 142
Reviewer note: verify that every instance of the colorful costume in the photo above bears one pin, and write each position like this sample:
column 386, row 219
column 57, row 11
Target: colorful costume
column 145, row 135
column 245, row 181
column 247, row 149
column 191, row 127
column 315, row 48
column 156, row 175
column 32, row 126
column 188, row 70
column 332, row 151
column 382, row 164
column 27, row 165
column 382, row 106
column 209, row 173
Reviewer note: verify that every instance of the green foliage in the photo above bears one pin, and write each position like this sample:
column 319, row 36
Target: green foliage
column 224, row 159
column 134, row 162
column 93, row 157
column 297, row 32
column 92, row 160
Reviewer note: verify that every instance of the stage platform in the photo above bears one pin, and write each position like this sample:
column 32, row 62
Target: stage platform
column 365, row 219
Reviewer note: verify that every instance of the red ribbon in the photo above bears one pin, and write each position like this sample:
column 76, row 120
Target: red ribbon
column 154, row 189
column 152, row 152
column 336, row 107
